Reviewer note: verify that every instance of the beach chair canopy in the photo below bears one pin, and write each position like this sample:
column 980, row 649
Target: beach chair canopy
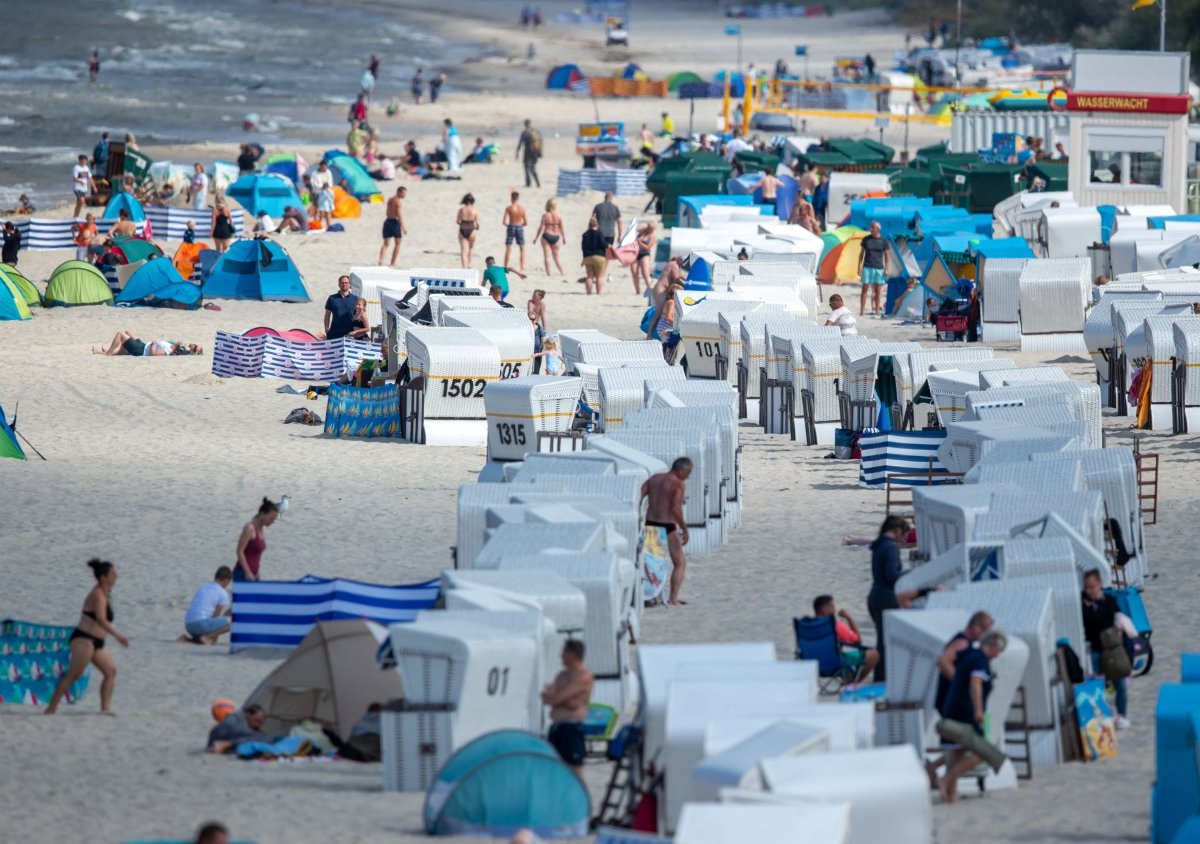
column 264, row 192
column 157, row 282
column 255, row 269
column 77, row 283
column 124, row 202
column 330, row 676
column 9, row 447
column 29, row 292
column 563, row 76
column 352, row 175
column 505, row 781
column 12, row 303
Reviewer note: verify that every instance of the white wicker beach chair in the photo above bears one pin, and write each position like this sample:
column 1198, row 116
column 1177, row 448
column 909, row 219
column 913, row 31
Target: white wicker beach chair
column 570, row 340
column 620, row 353
column 700, row 334
column 1082, row 398
column 1160, row 340
column 662, row 442
column 630, row 461
column 917, row 366
column 533, row 538
column 1010, row 377
column 1054, row 294
column 1187, row 354
column 396, row 328
column 818, row 369
column 1027, row 612
column 731, row 758
column 1000, row 284
column 1098, row 326
column 946, row 569
column 561, row 602
column 1083, row 511
column 441, row 304
column 624, row 487
column 1064, row 586
column 700, row 423
column 450, row 287
column 537, row 464
column 967, row 443
column 759, row 273
column 1130, row 342
column 367, row 283
column 755, row 331
column 509, row 329
column 949, row 390
column 457, row 364
column 944, row 516
column 775, row 822
column 887, row 789
column 1040, row 475
column 694, row 393
column 622, row 389
column 519, row 408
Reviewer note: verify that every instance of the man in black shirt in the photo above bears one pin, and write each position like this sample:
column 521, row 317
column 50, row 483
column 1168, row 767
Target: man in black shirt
column 12, row 243
column 339, row 310
column 595, row 248
column 870, row 269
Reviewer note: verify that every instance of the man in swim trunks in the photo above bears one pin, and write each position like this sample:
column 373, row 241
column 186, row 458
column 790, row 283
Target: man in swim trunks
column 514, row 229
column 123, row 227
column 665, row 510
column 871, row 263
column 568, row 698
column 393, row 226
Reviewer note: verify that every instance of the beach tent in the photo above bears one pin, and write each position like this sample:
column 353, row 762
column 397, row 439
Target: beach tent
column 290, row 165
column 134, row 249
column 12, row 304
column 351, row 171
column 264, row 192
column 505, row 781
column 77, row 283
column 124, row 202
column 737, row 83
column 564, row 76
column 839, row 261
column 330, row 676
column 158, row 283
column 683, row 77
column 29, row 292
column 632, row 71
column 187, row 256
column 9, row 447
column 344, row 205
column 255, row 269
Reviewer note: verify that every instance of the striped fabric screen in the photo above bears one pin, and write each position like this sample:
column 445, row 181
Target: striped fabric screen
column 620, row 182
column 898, row 452
column 255, row 357
column 165, row 223
column 170, row 222
column 279, row 613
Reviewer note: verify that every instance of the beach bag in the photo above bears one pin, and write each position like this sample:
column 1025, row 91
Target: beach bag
column 845, row 444
column 626, row 255
column 1071, row 662
column 1114, row 660
column 647, row 320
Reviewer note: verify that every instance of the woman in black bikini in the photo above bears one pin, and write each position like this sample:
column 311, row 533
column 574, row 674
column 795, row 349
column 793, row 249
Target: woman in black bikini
column 641, row 265
column 222, row 227
column 467, row 221
column 550, row 230
column 87, row 640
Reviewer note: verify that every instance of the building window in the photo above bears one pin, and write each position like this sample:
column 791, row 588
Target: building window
column 1125, row 158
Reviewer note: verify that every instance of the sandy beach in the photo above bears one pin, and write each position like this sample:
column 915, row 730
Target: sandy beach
column 156, row 464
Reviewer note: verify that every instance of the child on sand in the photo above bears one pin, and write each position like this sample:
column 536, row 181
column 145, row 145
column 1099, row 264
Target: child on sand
column 550, row 357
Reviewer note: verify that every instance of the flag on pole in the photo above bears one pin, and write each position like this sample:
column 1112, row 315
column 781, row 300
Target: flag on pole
column 1141, row 4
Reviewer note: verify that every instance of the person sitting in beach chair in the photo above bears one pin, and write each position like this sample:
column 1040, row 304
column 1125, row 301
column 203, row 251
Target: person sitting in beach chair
column 816, row 639
column 854, row 652
column 208, row 614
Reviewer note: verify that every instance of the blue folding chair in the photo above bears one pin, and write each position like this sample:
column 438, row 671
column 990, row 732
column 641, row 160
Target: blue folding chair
column 816, row 639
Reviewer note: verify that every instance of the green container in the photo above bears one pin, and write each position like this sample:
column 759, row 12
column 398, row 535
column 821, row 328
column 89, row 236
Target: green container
column 910, row 182
column 757, row 162
column 990, row 184
column 1055, row 175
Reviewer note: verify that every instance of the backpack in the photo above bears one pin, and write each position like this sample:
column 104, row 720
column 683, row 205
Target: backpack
column 534, row 144
column 1114, row 659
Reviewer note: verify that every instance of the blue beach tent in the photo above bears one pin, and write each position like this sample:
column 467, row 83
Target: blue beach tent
column 255, row 269
column 358, row 181
column 561, row 77
column 268, row 192
column 505, row 781
column 157, row 282
column 124, row 202
column 12, row 303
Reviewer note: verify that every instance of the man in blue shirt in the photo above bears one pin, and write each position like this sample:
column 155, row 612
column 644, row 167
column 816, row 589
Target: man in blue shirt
column 339, row 310
column 497, row 276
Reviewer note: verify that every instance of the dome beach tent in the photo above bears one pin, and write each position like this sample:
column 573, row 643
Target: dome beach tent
column 682, row 78
column 187, row 256
column 255, row 269
column 505, row 781
column 330, row 676
column 157, row 282
column 77, row 283
column 29, row 292
column 290, row 165
column 357, row 180
column 344, row 205
column 632, row 71
column 9, row 447
column 564, row 76
column 134, row 249
column 12, row 304
column 124, row 202
column 264, row 192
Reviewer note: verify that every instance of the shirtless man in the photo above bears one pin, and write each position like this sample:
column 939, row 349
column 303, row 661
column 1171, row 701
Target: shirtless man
column 393, row 226
column 568, row 698
column 124, row 227
column 769, row 184
column 665, row 510
column 514, row 229
column 671, row 273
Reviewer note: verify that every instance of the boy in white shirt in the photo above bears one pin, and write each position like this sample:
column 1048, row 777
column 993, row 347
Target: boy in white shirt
column 208, row 615
column 841, row 316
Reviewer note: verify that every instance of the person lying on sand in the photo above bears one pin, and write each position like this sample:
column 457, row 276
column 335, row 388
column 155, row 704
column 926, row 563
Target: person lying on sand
column 124, row 343
column 239, row 727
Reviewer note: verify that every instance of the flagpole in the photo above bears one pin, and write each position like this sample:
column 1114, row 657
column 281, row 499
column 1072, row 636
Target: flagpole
column 1162, row 26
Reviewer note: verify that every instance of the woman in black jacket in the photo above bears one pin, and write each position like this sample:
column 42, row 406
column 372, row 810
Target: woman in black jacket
column 886, row 569
column 1100, row 612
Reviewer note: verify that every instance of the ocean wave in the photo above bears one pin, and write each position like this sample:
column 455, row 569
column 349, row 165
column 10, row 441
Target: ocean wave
column 7, row 121
column 130, row 15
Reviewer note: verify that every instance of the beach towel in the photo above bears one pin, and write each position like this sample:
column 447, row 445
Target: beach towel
column 362, row 411
column 284, row 748
column 656, row 563
column 33, row 658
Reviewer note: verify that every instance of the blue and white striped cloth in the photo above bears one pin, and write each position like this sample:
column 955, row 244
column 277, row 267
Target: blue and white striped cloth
column 279, row 613
column 165, row 223
column 277, row 357
column 899, row 452
column 620, row 182
column 171, row 222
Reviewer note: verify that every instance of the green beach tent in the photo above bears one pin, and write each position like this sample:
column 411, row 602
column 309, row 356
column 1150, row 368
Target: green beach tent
column 136, row 249
column 682, row 78
column 12, row 303
column 9, row 447
column 32, row 295
column 77, row 283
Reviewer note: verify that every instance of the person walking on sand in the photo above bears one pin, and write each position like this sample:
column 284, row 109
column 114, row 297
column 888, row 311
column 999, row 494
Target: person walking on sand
column 871, row 260
column 394, row 229
column 529, row 149
column 81, row 183
column 252, row 542
column 467, row 220
column 514, row 223
column 595, row 251
column 418, row 86
column 664, row 493
column 886, row 568
column 87, row 639
column 222, row 227
column 964, row 712
column 608, row 215
column 550, row 231
column 646, row 241
column 568, row 697
column 495, row 277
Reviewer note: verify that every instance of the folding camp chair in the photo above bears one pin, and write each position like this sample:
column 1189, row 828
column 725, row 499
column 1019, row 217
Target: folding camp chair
column 816, row 639
column 599, row 726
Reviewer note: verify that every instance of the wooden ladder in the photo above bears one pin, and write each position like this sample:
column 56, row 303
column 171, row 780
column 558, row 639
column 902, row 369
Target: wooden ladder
column 1147, row 483
column 1021, row 727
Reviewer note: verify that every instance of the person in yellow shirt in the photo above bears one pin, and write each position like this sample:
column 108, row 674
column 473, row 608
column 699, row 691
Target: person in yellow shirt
column 668, row 126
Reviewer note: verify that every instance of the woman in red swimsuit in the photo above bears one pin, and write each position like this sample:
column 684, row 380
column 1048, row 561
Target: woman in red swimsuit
column 87, row 639
column 252, row 542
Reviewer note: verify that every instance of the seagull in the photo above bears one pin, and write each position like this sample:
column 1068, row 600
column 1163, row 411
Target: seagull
column 284, row 503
